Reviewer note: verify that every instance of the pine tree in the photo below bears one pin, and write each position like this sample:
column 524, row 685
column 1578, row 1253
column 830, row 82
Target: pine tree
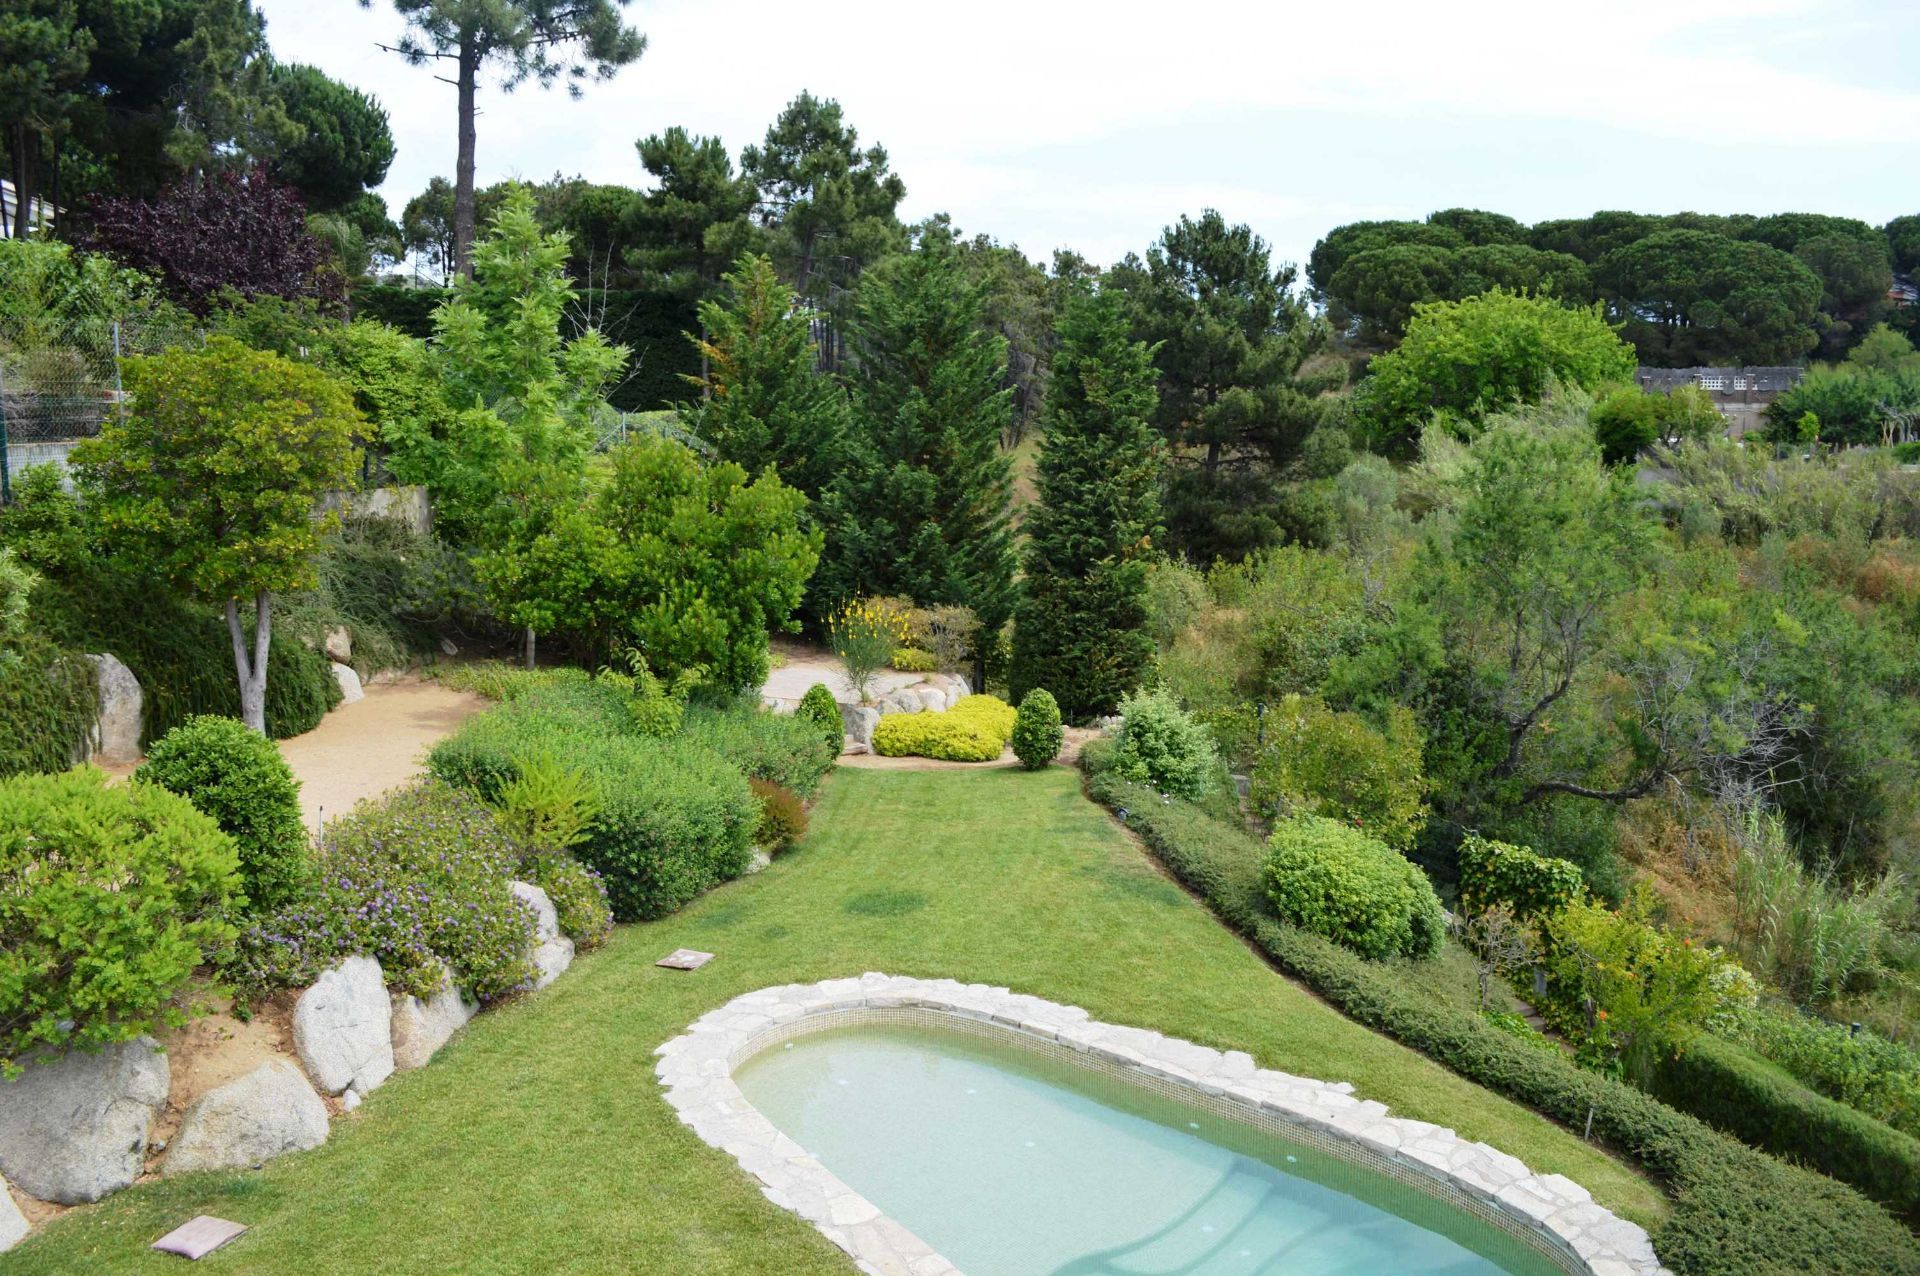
column 920, row 506
column 764, row 401
column 1080, row 629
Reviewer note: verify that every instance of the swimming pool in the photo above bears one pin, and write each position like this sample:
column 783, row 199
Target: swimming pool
column 929, row 1127
column 1011, row 1164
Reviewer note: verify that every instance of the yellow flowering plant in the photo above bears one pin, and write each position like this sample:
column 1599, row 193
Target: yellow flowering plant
column 864, row 634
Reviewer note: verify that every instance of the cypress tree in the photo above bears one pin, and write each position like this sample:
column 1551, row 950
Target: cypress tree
column 1080, row 631
column 764, row 402
column 920, row 506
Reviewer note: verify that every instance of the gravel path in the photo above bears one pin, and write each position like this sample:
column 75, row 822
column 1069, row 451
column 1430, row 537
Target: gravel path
column 364, row 749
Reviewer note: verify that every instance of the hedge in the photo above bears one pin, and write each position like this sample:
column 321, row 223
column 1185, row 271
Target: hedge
column 675, row 817
column 1533, row 885
column 1760, row 1103
column 1339, row 882
column 974, row 730
column 1736, row 1210
column 782, row 749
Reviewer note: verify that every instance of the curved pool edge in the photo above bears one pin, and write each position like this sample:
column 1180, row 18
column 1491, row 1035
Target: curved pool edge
column 696, row 1069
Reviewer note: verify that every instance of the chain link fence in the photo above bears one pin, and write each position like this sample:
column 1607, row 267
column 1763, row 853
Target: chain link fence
column 60, row 376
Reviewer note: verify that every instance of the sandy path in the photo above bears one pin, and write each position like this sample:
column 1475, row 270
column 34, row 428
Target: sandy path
column 364, row 749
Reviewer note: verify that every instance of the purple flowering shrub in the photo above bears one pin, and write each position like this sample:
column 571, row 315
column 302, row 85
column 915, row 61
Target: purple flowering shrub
column 418, row 879
column 578, row 893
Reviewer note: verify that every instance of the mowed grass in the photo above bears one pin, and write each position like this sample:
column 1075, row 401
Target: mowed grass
column 538, row 1141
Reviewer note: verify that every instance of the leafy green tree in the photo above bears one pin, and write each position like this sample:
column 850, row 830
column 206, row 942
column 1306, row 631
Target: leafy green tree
column 703, row 562
column 1688, row 297
column 696, row 221
column 764, row 402
column 1903, row 237
column 211, row 479
column 1464, row 360
column 829, row 206
column 541, row 40
column 920, row 507
column 1854, row 404
column 426, row 226
column 1080, row 630
column 1629, row 420
column 1855, row 274
column 1231, row 337
column 345, row 148
column 1885, row 351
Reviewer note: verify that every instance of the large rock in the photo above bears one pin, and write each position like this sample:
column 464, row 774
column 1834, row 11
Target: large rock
column 350, row 689
column 13, row 1224
column 343, row 1028
column 420, row 1028
column 859, row 722
column 338, row 644
column 267, row 1113
column 552, row 951
column 116, row 733
column 75, row 1129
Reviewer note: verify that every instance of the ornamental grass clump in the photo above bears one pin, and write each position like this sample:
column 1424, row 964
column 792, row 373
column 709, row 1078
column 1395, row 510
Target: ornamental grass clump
column 864, row 634
column 418, row 880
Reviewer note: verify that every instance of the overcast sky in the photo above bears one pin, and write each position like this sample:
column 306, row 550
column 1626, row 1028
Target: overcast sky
column 1052, row 124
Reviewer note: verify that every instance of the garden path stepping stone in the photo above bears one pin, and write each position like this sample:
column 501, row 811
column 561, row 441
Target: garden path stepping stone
column 200, row 1237
column 684, row 959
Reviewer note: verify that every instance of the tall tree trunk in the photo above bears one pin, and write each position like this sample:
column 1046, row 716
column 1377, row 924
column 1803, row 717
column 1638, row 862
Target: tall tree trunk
column 22, row 144
column 530, row 646
column 463, row 201
column 252, row 672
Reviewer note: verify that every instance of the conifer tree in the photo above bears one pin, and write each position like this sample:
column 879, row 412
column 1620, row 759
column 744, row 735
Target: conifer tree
column 764, row 401
column 920, row 504
column 1080, row 630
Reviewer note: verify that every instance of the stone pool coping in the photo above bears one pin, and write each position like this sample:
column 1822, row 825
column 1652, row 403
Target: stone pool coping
column 1556, row 1214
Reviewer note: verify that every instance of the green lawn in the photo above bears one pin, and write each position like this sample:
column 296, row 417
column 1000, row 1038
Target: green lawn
column 537, row 1140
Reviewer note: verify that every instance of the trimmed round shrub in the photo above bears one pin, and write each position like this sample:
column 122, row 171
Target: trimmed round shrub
column 421, row 880
column 237, row 776
column 1160, row 744
column 1336, row 881
column 783, row 817
column 820, row 708
column 109, row 900
column 579, row 896
column 975, row 730
column 1037, row 735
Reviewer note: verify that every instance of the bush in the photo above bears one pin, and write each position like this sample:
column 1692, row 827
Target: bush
column 48, row 704
column 419, row 880
column 1862, row 1069
column 974, row 730
column 655, row 709
column 237, row 776
column 865, row 634
column 1160, row 745
column 820, row 708
column 498, row 680
column 1037, row 735
column 776, row 747
column 1320, row 762
column 181, row 654
column 1500, row 873
column 1758, row 1103
column 110, row 898
column 1736, row 1210
column 913, row 660
column 783, row 818
column 675, row 818
column 547, row 806
column 1338, row 882
column 579, row 896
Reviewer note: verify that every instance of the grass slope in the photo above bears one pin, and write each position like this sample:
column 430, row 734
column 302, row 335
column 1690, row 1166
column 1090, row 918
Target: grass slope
column 537, row 1140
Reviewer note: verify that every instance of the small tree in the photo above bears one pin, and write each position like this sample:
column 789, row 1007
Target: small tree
column 211, row 476
column 1081, row 629
column 1502, row 946
column 1037, row 735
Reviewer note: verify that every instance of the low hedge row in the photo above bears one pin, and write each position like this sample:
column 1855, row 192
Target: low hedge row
column 675, row 818
column 1760, row 1103
column 782, row 749
column 1736, row 1210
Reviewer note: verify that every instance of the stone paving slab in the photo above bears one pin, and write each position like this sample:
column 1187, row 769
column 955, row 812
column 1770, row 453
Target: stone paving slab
column 696, row 1070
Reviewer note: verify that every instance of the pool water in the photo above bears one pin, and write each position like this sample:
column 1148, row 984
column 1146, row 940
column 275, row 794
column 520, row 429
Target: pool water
column 1010, row 1163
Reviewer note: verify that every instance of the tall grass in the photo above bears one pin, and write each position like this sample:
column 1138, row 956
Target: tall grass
column 1814, row 937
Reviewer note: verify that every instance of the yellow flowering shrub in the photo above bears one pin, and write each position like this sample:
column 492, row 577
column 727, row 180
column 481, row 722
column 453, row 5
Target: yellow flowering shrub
column 975, row 730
